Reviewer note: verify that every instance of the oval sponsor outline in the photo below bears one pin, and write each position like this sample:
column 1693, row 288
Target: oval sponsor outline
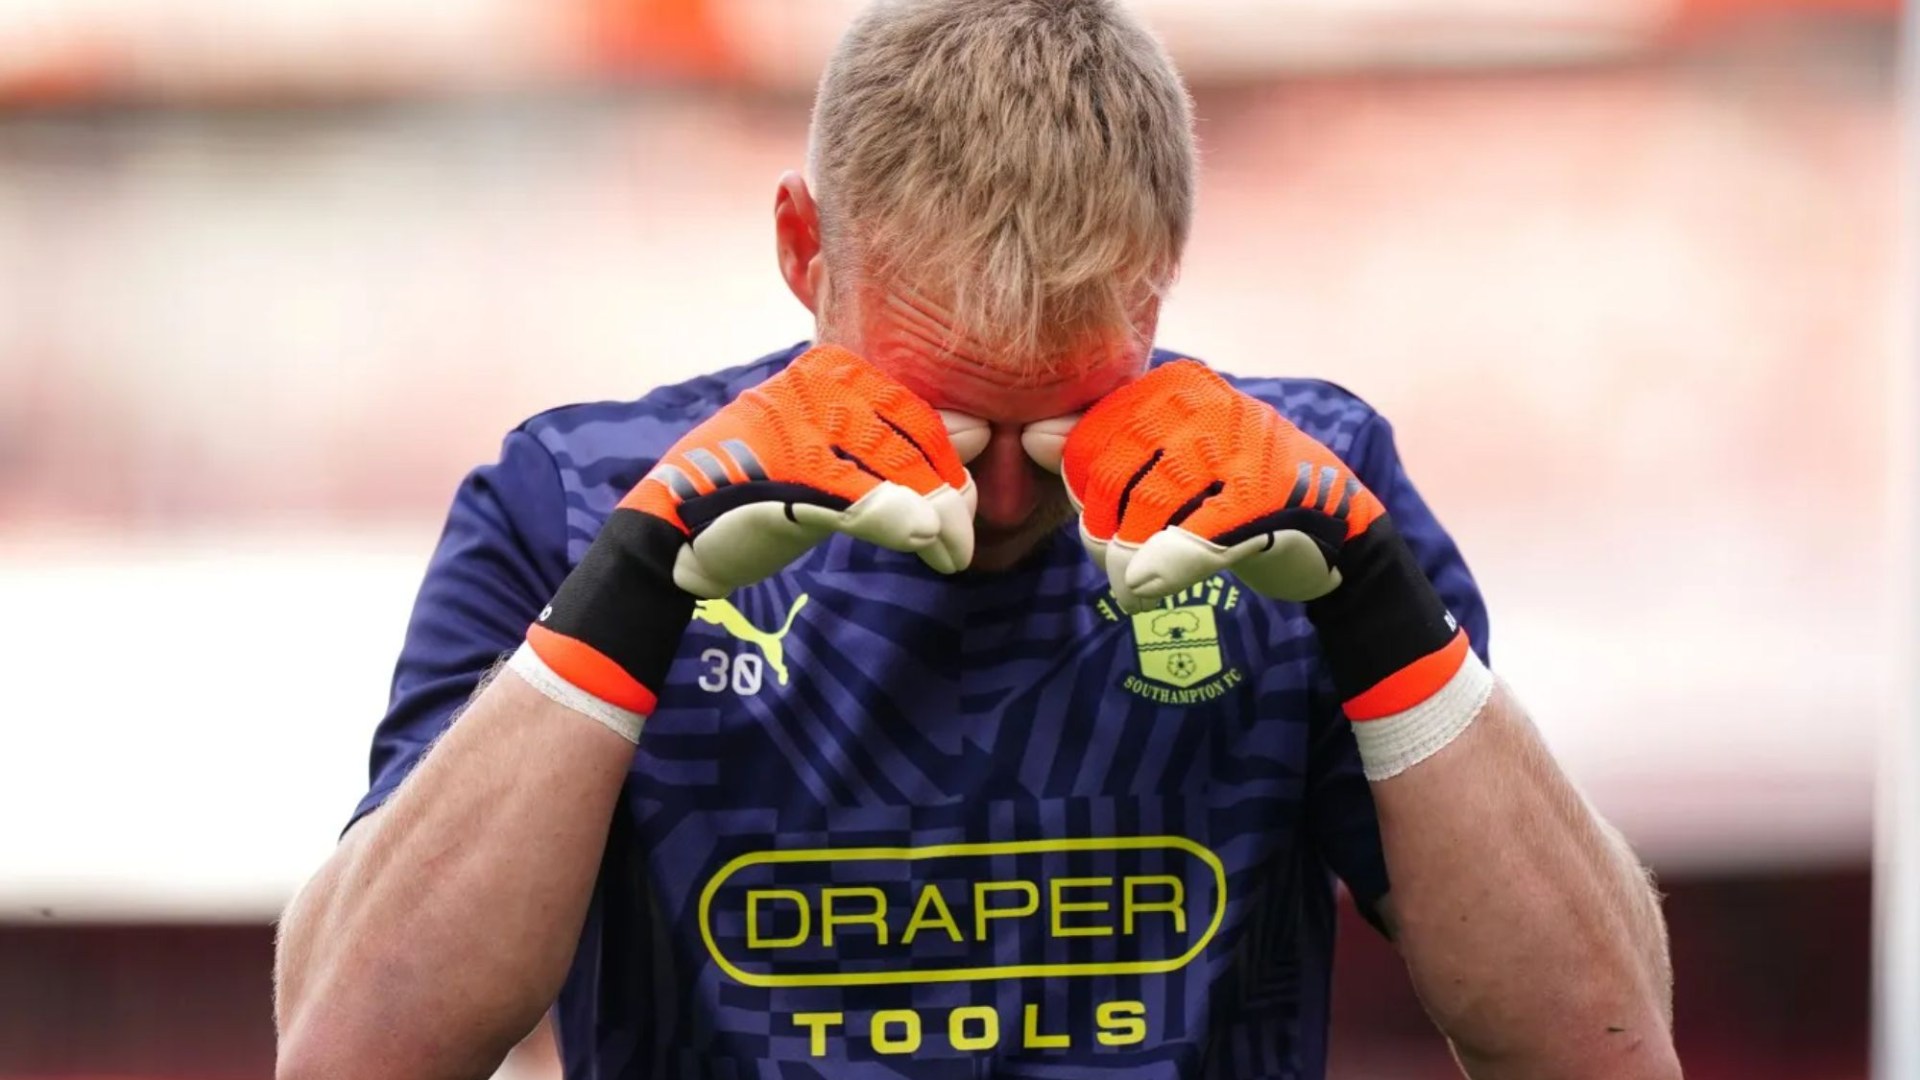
column 943, row 851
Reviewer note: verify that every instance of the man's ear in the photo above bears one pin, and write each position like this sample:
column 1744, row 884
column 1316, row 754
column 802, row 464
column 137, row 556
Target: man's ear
column 796, row 231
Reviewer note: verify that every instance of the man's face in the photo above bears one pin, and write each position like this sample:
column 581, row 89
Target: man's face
column 1020, row 502
column 911, row 338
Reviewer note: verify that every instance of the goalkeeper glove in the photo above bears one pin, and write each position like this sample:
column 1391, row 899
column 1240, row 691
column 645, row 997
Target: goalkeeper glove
column 830, row 444
column 1179, row 476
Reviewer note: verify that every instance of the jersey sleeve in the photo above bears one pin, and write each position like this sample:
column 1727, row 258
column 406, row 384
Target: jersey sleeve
column 499, row 559
column 1340, row 811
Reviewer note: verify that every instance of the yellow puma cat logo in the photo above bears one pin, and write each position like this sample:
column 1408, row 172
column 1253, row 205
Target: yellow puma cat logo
column 724, row 615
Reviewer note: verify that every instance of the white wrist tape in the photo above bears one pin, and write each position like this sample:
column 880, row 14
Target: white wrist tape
column 527, row 664
column 1393, row 744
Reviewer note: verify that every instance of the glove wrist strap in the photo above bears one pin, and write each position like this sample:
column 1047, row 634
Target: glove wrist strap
column 1393, row 744
column 1383, row 618
column 615, row 624
column 1405, row 673
column 526, row 663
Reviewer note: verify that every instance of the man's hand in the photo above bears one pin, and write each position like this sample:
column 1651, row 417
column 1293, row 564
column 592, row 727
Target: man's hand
column 831, row 444
column 1179, row 476
column 444, row 924
column 1526, row 923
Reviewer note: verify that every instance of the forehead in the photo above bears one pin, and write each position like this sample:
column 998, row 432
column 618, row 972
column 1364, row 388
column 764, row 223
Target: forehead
column 1003, row 398
column 911, row 338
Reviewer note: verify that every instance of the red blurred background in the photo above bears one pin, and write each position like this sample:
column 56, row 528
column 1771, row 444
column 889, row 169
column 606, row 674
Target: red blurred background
column 1622, row 271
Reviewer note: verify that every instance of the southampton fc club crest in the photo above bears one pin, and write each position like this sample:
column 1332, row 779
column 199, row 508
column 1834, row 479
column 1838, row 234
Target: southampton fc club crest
column 1178, row 645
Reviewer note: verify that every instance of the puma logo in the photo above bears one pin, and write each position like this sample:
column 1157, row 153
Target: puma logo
column 724, row 615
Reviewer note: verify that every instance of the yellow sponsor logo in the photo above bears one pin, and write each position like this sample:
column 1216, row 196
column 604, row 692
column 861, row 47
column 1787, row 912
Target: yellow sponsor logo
column 973, row 1028
column 1148, row 908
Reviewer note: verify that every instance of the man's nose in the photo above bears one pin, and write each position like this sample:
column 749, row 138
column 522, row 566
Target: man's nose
column 1008, row 481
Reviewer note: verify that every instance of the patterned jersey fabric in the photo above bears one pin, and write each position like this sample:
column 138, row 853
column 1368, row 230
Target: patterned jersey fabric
column 887, row 823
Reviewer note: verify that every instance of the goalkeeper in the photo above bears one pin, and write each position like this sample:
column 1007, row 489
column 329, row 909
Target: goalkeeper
column 978, row 691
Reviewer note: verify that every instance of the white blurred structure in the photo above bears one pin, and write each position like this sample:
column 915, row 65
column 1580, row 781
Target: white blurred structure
column 1896, row 1050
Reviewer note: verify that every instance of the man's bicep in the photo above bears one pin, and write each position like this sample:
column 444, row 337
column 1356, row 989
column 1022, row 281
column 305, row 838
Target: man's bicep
column 499, row 558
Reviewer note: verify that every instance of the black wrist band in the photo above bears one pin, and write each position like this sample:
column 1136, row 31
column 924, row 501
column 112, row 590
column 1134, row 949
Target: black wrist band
column 1383, row 616
column 622, row 600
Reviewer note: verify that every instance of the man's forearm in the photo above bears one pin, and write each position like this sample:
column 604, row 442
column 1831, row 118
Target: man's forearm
column 443, row 925
column 1531, row 931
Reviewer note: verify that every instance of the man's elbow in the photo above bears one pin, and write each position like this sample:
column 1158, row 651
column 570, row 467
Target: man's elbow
column 1615, row 1050
column 1648, row 1057
column 319, row 1042
column 329, row 1030
column 315, row 1048
column 309, row 1051
column 1662, row 1060
column 348, row 1023
column 301, row 1056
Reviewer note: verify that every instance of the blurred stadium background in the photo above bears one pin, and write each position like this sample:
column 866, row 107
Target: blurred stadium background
column 275, row 273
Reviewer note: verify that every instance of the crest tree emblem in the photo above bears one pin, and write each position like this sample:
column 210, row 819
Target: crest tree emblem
column 1178, row 646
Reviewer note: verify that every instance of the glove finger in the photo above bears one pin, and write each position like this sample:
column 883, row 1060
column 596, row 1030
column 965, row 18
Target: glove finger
column 952, row 551
column 915, row 448
column 1284, row 565
column 1108, row 442
column 968, row 434
column 1119, row 557
column 1073, row 497
column 1317, row 486
column 1096, row 546
column 746, row 544
column 891, row 515
column 1174, row 559
column 1045, row 441
column 922, row 463
column 846, row 411
column 1296, row 567
column 1101, row 490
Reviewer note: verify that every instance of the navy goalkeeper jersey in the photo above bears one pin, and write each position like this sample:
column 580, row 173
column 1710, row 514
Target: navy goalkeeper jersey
column 886, row 823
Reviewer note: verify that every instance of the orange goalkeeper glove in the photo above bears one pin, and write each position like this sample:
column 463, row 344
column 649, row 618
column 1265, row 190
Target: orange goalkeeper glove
column 1179, row 476
column 831, row 444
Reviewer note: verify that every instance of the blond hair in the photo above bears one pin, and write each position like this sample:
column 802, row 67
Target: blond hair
column 1028, row 164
